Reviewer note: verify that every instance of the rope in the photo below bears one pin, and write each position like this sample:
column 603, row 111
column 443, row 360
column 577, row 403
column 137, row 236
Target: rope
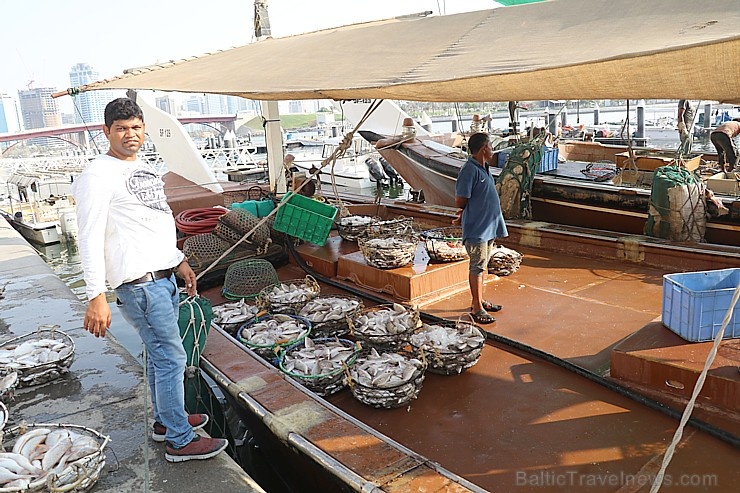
column 191, row 302
column 200, row 220
column 697, row 388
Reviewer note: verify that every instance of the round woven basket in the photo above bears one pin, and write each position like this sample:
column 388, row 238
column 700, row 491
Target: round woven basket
column 275, row 303
column 327, row 382
column 351, row 228
column 371, row 390
column 231, row 316
column 245, row 279
column 450, row 359
column 375, row 326
column 78, row 475
column 326, row 322
column 35, row 374
column 270, row 350
column 391, row 227
column 389, row 252
column 445, row 244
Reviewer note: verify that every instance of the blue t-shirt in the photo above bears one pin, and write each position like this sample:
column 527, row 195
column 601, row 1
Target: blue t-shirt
column 481, row 219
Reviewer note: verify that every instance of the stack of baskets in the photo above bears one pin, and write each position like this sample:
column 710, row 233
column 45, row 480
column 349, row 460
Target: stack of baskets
column 288, row 296
column 445, row 244
column 320, row 364
column 449, row 347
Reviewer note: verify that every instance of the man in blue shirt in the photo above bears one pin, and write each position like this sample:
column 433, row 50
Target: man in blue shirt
column 481, row 219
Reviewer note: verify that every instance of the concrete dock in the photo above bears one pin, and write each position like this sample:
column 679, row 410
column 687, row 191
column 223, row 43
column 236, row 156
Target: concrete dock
column 104, row 390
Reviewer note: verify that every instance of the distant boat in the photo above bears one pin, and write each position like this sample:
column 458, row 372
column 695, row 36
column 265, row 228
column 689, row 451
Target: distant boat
column 350, row 170
column 40, row 233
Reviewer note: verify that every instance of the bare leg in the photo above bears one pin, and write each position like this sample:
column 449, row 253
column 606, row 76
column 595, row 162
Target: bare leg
column 476, row 290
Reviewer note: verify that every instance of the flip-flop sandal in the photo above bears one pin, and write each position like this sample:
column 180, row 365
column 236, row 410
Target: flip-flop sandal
column 489, row 307
column 483, row 317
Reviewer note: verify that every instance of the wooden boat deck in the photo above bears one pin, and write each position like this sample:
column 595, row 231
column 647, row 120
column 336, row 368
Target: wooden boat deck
column 516, row 421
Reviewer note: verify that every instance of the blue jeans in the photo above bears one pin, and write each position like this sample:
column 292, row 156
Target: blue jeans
column 152, row 309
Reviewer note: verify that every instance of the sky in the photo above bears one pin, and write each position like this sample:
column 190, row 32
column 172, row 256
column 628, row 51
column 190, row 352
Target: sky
column 41, row 40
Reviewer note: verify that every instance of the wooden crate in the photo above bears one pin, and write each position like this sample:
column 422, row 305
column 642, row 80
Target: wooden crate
column 650, row 160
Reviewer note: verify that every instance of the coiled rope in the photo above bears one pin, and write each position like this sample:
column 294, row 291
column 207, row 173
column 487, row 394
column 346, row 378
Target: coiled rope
column 200, row 220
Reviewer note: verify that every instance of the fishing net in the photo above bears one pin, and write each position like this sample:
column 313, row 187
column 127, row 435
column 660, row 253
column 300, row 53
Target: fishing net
column 514, row 184
column 246, row 278
column 204, row 249
column 194, row 320
column 677, row 209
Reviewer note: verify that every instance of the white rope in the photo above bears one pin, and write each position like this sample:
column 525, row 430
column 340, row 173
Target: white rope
column 191, row 302
column 697, row 388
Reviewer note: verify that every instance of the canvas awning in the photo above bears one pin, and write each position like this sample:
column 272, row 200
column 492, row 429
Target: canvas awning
column 560, row 49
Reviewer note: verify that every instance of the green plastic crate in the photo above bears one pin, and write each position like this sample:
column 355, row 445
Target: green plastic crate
column 304, row 218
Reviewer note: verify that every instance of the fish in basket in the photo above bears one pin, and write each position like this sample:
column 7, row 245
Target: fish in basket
column 288, row 296
column 231, row 316
column 388, row 252
column 330, row 315
column 449, row 347
column 350, row 228
column 386, row 327
column 386, row 380
column 38, row 357
column 266, row 334
column 8, row 383
column 51, row 457
column 445, row 244
column 319, row 364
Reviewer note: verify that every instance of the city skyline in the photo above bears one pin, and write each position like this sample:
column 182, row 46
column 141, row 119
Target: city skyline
column 41, row 50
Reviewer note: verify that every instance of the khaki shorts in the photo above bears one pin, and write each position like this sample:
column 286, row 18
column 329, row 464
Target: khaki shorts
column 480, row 254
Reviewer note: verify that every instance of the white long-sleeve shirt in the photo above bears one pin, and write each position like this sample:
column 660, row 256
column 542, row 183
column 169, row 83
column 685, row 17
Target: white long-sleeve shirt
column 126, row 227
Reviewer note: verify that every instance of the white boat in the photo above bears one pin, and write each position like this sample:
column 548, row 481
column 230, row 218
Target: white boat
column 349, row 170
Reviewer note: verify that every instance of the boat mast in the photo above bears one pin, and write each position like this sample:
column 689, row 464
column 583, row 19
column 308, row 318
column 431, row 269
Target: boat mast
column 273, row 133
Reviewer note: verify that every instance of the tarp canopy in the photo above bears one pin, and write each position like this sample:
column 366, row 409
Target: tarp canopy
column 560, row 49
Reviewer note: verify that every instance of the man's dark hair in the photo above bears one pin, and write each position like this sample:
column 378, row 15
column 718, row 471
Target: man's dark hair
column 122, row 109
column 476, row 141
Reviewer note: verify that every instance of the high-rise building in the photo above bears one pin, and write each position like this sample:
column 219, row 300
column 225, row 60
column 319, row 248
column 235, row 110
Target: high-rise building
column 38, row 109
column 167, row 104
column 9, row 119
column 215, row 104
column 90, row 105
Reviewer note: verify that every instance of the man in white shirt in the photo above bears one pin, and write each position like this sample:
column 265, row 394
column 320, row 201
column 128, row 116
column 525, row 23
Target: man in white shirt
column 127, row 237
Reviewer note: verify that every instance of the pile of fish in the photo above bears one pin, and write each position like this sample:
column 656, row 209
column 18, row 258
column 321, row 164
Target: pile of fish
column 352, row 227
column 42, row 451
column 273, row 330
column 449, row 348
column 230, row 316
column 287, row 295
column 445, row 244
column 386, row 380
column 388, row 253
column 328, row 315
column 504, row 261
column 37, row 359
column 386, row 326
column 318, row 364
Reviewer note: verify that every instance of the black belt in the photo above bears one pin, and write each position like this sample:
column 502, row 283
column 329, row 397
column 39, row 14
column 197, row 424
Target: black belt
column 152, row 276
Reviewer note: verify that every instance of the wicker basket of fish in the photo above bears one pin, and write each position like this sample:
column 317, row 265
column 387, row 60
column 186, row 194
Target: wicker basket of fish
column 351, row 228
column 449, row 347
column 288, row 296
column 445, row 244
column 3, row 416
column 386, row 327
column 331, row 315
column 38, row 357
column 386, row 379
column 231, row 316
column 265, row 335
column 391, row 227
column 51, row 457
column 390, row 252
column 319, row 364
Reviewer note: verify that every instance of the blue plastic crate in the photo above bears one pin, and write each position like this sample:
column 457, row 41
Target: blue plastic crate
column 695, row 304
column 258, row 208
column 549, row 160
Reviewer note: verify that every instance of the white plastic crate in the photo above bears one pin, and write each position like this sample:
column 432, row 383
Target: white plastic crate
column 695, row 304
